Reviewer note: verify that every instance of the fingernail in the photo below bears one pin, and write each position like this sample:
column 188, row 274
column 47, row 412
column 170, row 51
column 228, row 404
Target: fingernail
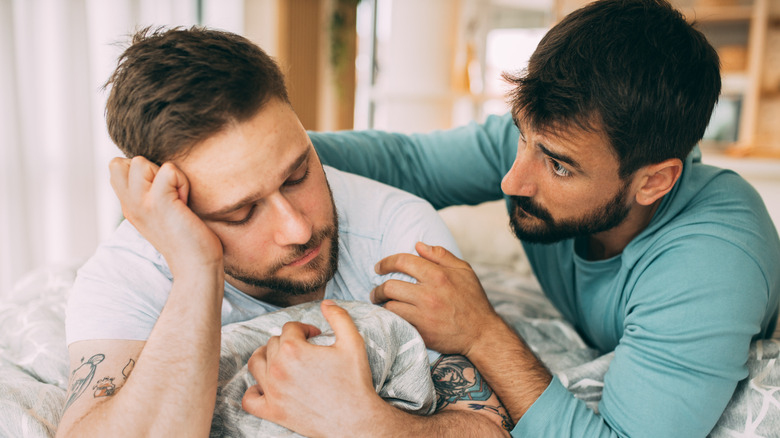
column 328, row 303
column 425, row 246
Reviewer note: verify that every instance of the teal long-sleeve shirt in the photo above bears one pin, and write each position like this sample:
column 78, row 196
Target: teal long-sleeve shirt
column 679, row 306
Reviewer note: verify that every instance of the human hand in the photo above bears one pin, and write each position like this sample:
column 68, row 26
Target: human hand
column 315, row 390
column 447, row 305
column 154, row 200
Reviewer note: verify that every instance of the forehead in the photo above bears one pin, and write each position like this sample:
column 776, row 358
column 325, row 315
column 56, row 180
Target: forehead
column 244, row 159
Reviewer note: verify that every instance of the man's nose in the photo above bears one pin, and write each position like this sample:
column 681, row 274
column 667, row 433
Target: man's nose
column 291, row 225
column 519, row 180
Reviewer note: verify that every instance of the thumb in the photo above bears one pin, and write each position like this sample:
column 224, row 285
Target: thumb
column 253, row 401
column 341, row 322
column 438, row 255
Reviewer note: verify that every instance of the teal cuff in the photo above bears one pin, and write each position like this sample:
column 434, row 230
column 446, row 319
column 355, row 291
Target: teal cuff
column 546, row 410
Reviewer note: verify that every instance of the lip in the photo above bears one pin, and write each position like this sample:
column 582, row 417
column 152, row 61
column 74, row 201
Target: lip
column 307, row 256
column 520, row 212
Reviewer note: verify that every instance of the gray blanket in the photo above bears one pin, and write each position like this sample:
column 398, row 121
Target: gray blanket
column 396, row 353
column 34, row 365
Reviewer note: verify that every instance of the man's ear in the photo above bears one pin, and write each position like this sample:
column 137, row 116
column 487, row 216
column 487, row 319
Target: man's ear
column 656, row 180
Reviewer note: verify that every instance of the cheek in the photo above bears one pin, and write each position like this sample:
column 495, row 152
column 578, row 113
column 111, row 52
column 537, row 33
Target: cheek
column 568, row 201
column 246, row 244
column 316, row 204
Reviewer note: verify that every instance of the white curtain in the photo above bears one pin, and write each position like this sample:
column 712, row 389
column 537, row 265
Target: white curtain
column 55, row 200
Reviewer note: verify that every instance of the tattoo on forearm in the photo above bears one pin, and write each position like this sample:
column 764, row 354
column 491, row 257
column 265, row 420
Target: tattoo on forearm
column 456, row 379
column 104, row 387
column 82, row 377
column 128, row 369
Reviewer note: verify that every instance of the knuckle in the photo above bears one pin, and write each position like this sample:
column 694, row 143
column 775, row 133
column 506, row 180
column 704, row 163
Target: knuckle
column 439, row 277
column 439, row 251
column 432, row 301
column 277, row 372
column 256, row 357
column 388, row 288
column 395, row 264
column 289, row 350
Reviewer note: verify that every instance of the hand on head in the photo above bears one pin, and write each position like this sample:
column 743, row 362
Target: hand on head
column 154, row 200
column 447, row 305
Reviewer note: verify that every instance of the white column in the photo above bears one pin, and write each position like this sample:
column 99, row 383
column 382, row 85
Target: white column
column 414, row 85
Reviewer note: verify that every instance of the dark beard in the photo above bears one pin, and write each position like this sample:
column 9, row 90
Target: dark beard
column 601, row 219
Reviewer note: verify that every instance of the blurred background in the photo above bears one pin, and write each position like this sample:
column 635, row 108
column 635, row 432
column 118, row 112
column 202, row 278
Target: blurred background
column 399, row 65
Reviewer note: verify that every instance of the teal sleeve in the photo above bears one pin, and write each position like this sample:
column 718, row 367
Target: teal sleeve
column 695, row 305
column 693, row 311
column 558, row 413
column 463, row 165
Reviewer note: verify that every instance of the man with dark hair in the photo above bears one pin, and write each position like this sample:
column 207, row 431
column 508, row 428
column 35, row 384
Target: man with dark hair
column 230, row 215
column 670, row 263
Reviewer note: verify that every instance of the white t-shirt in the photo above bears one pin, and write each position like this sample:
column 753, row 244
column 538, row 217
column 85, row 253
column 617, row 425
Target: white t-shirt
column 120, row 292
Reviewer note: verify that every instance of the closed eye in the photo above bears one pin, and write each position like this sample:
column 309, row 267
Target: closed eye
column 295, row 182
column 245, row 219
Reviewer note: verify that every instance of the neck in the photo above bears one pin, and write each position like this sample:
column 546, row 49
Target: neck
column 612, row 242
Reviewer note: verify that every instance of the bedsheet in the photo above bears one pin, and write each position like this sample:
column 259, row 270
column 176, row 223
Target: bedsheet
column 34, row 364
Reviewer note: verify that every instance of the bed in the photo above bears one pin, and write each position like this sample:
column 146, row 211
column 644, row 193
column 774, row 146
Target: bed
column 34, row 367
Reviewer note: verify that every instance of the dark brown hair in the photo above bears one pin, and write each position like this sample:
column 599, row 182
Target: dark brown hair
column 174, row 88
column 632, row 69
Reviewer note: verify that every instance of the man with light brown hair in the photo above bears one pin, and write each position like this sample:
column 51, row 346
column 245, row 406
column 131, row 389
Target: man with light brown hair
column 230, row 215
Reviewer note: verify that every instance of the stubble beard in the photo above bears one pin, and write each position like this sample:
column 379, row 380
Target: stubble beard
column 281, row 289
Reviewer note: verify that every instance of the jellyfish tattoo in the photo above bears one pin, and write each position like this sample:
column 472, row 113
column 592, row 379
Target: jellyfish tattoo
column 82, row 377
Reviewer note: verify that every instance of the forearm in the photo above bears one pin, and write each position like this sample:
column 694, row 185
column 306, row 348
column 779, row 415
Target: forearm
column 513, row 371
column 464, row 165
column 172, row 388
column 445, row 424
column 465, row 406
column 460, row 387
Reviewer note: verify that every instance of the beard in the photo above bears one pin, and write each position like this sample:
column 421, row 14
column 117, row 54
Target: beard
column 600, row 219
column 282, row 289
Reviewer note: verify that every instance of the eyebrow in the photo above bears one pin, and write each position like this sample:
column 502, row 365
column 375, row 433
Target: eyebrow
column 556, row 156
column 252, row 197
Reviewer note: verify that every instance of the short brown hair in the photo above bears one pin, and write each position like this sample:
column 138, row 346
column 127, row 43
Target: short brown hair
column 174, row 88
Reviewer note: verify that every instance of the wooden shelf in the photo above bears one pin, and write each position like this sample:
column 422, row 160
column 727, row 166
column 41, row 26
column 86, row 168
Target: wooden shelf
column 746, row 33
column 758, row 133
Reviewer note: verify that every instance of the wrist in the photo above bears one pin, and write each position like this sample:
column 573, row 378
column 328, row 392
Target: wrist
column 200, row 281
column 204, row 270
column 492, row 328
column 512, row 369
column 393, row 421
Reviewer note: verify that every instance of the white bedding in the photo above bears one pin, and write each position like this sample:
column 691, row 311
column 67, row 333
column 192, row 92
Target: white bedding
column 33, row 358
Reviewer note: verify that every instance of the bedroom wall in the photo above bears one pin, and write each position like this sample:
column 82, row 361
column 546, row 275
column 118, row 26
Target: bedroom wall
column 55, row 200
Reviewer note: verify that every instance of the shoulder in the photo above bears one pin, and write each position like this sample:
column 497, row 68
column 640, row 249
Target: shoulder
column 376, row 221
column 366, row 207
column 711, row 208
column 712, row 243
column 125, row 255
column 120, row 291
